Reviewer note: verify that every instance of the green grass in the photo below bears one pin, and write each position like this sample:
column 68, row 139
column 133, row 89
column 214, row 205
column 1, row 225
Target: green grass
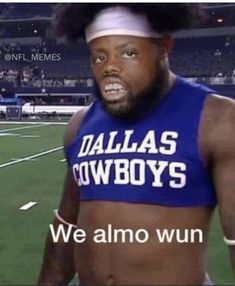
column 23, row 233
column 220, row 266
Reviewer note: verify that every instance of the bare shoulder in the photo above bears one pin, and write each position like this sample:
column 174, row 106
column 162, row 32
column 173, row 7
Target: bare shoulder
column 221, row 110
column 218, row 108
column 218, row 122
column 74, row 125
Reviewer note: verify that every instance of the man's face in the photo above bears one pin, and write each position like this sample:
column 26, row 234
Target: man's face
column 128, row 73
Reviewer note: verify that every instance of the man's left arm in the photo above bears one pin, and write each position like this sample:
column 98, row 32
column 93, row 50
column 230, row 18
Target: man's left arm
column 222, row 146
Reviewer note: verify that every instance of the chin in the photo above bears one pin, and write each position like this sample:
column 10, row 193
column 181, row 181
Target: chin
column 121, row 110
column 136, row 106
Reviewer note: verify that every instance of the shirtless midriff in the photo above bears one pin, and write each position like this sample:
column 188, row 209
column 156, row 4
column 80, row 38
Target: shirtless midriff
column 141, row 261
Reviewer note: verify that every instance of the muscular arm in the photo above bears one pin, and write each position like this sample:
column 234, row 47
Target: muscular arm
column 222, row 146
column 58, row 267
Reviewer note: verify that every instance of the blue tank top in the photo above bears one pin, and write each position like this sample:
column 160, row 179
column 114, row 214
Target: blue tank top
column 154, row 160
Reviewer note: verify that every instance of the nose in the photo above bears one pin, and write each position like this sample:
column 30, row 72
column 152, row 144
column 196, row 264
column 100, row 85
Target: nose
column 112, row 66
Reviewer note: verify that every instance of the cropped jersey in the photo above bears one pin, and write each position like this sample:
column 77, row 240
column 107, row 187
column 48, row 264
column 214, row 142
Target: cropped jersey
column 154, row 160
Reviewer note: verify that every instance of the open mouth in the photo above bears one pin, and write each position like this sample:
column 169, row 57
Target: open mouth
column 114, row 92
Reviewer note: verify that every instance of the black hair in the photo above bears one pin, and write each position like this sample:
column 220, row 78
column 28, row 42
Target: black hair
column 71, row 19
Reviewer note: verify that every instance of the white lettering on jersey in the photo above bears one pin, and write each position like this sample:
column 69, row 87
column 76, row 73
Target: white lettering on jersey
column 168, row 138
column 84, row 173
column 111, row 148
column 121, row 171
column 148, row 145
column 100, row 171
column 97, row 147
column 157, row 168
column 180, row 175
column 125, row 147
column 86, row 144
column 137, row 172
column 133, row 171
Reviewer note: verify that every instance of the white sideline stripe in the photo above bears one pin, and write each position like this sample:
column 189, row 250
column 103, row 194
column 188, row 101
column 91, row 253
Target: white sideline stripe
column 27, row 206
column 25, row 127
column 9, row 134
column 15, row 159
column 33, row 122
column 30, row 157
column 29, row 136
column 62, row 160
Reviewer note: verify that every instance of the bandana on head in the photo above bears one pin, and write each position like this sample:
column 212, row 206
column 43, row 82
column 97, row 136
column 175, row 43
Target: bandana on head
column 119, row 21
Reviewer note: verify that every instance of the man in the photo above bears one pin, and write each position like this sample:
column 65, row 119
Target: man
column 152, row 153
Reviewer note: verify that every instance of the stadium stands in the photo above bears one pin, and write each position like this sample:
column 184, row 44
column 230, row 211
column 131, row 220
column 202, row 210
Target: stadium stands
column 212, row 56
column 33, row 64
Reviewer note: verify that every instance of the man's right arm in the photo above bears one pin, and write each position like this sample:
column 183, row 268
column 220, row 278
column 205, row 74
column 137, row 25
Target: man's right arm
column 58, row 267
column 58, row 264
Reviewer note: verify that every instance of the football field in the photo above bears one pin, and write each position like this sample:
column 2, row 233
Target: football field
column 32, row 168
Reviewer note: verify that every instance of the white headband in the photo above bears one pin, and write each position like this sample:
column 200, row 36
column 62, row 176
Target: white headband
column 119, row 20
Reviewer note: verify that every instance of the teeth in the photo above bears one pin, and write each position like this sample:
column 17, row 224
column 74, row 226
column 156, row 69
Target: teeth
column 113, row 87
column 114, row 91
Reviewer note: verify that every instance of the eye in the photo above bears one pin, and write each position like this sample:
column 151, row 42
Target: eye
column 98, row 59
column 129, row 54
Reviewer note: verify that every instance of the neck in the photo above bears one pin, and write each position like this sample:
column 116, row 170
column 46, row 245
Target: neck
column 170, row 82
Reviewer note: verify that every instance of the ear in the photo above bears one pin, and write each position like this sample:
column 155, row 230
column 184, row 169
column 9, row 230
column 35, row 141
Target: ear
column 165, row 44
